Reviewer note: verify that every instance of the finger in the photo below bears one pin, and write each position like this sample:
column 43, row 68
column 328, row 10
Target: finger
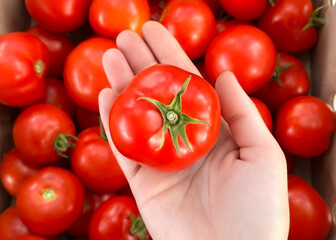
column 136, row 51
column 242, row 116
column 165, row 47
column 117, row 70
column 105, row 99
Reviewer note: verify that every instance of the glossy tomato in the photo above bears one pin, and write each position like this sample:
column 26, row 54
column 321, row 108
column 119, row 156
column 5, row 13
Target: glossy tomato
column 192, row 23
column 24, row 62
column 42, row 134
column 244, row 9
column 246, row 51
column 264, row 113
column 117, row 218
column 290, row 80
column 109, row 18
column 310, row 218
column 93, row 161
column 59, row 46
column 84, row 76
column 304, row 125
column 163, row 139
column 50, row 201
column 59, row 16
column 285, row 24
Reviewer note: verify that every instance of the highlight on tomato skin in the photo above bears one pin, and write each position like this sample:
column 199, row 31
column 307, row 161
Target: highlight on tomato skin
column 148, row 126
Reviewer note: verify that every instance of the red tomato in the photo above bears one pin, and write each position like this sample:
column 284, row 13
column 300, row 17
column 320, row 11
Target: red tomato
column 59, row 47
column 264, row 113
column 223, row 24
column 116, row 219
column 14, row 171
column 290, row 80
column 85, row 118
column 59, row 16
column 156, row 7
column 11, row 225
column 244, row 9
column 91, row 155
column 310, row 218
column 246, row 51
column 50, row 201
column 24, row 62
column 304, row 125
column 285, row 23
column 192, row 23
column 31, row 237
column 41, row 134
column 139, row 128
column 109, row 18
column 215, row 6
column 84, row 76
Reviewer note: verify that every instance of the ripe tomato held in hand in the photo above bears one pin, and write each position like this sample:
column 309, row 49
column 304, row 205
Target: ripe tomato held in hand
column 304, row 126
column 24, row 63
column 117, row 218
column 310, row 218
column 50, row 201
column 247, row 52
column 245, row 10
column 174, row 137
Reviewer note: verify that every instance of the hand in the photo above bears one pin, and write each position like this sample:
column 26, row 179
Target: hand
column 236, row 191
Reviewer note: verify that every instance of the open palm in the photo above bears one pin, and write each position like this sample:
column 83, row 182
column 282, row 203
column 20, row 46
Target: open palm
column 236, row 191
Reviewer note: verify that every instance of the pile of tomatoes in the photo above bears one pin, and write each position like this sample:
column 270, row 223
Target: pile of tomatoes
column 65, row 181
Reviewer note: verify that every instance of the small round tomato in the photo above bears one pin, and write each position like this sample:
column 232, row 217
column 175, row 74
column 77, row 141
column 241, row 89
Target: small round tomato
column 84, row 76
column 14, row 171
column 244, row 9
column 41, row 134
column 24, row 62
column 304, row 125
column 167, row 118
column 59, row 16
column 59, row 47
column 109, row 18
column 50, row 201
column 192, row 23
column 117, row 218
column 91, row 155
column 264, row 113
column 310, row 218
column 289, row 80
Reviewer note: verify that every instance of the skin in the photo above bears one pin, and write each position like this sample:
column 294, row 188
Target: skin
column 236, row 191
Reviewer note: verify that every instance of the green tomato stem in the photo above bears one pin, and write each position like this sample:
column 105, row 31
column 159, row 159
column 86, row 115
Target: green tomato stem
column 138, row 227
column 62, row 144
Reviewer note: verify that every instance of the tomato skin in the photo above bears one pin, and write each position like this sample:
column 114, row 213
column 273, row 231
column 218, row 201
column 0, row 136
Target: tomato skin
column 264, row 113
column 14, row 171
column 35, row 130
column 84, row 76
column 60, row 16
column 24, row 62
column 235, row 50
column 50, row 214
column 136, row 125
column 112, row 220
column 59, row 47
column 284, row 23
column 192, row 23
column 85, row 118
column 294, row 82
column 310, row 218
column 131, row 14
column 223, row 24
column 93, row 161
column 245, row 10
column 304, row 125
column 31, row 237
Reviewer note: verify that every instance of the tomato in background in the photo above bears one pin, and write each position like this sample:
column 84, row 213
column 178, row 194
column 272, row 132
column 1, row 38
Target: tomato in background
column 109, row 18
column 50, row 201
column 290, row 80
column 244, row 9
column 31, row 237
column 247, row 52
column 264, row 113
column 223, row 24
column 42, row 134
column 84, row 76
column 24, row 63
column 192, row 23
column 285, row 23
column 156, row 7
column 215, row 7
column 59, row 16
column 85, row 118
column 59, row 47
column 304, row 126
column 310, row 217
